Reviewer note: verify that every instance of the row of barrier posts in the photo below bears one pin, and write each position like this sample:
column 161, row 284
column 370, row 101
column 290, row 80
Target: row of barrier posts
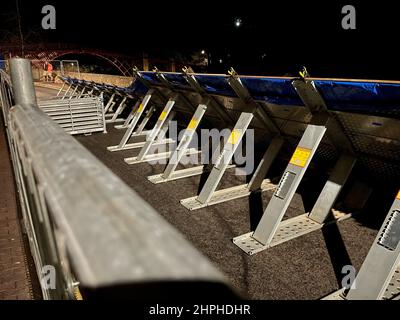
column 381, row 267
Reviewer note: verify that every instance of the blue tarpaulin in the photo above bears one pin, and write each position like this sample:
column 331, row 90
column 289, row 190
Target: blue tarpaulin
column 177, row 80
column 272, row 90
column 2, row 62
column 375, row 98
column 151, row 77
column 371, row 97
column 216, row 85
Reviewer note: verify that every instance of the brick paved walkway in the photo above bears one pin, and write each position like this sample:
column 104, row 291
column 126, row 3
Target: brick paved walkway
column 15, row 276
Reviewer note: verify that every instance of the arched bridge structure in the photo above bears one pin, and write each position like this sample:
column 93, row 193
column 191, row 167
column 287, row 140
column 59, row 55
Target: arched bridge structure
column 122, row 62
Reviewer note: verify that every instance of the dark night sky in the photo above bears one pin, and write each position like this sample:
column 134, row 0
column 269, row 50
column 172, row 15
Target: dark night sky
column 288, row 34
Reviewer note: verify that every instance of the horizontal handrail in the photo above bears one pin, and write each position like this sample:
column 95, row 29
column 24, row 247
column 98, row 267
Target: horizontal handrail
column 109, row 233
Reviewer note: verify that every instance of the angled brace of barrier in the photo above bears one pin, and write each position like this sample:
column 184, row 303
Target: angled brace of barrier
column 75, row 89
column 109, row 103
column 131, row 115
column 140, row 132
column 166, row 83
column 160, row 140
column 82, row 91
column 123, row 145
column 379, row 275
column 315, row 104
column 128, row 120
column 151, row 141
column 209, row 196
column 192, row 81
column 67, row 91
column 62, row 88
column 271, row 230
column 92, row 88
column 112, row 115
column 221, row 164
column 259, row 112
column 137, row 114
column 119, row 110
column 170, row 173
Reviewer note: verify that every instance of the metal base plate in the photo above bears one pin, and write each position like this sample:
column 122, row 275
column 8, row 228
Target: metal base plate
column 225, row 195
column 180, row 174
column 393, row 288
column 337, row 295
column 288, row 229
column 138, row 145
column 392, row 291
column 158, row 156
column 141, row 134
column 121, row 126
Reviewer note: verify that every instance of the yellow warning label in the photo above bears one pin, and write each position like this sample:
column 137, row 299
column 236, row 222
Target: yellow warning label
column 235, row 136
column 192, row 124
column 300, row 157
column 398, row 196
column 140, row 107
column 162, row 115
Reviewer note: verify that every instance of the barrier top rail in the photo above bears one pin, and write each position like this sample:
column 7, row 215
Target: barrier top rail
column 112, row 235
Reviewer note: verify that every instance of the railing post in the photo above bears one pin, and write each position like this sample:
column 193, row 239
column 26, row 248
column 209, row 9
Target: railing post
column 22, row 82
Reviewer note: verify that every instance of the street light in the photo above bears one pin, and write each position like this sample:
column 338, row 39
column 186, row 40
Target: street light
column 203, row 51
column 238, row 22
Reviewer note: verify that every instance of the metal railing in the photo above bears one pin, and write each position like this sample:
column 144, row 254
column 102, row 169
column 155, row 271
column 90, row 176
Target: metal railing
column 82, row 220
column 80, row 115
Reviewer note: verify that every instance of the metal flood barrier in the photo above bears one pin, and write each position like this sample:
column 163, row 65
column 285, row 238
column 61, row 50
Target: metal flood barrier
column 80, row 115
column 335, row 121
column 83, row 221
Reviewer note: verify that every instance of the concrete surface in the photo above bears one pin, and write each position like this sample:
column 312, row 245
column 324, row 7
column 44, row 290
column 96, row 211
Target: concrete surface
column 305, row 268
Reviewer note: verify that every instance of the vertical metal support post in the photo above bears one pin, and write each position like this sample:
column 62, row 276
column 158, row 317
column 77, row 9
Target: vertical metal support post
column 73, row 92
column 226, row 156
column 288, row 184
column 258, row 182
column 66, row 92
column 184, row 143
column 120, row 108
column 242, row 92
column 381, row 262
column 110, row 101
column 61, row 89
column 332, row 188
column 22, row 82
column 130, row 116
column 222, row 113
column 82, row 92
column 153, row 134
column 138, row 114
column 146, row 119
column 264, row 235
column 165, row 127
